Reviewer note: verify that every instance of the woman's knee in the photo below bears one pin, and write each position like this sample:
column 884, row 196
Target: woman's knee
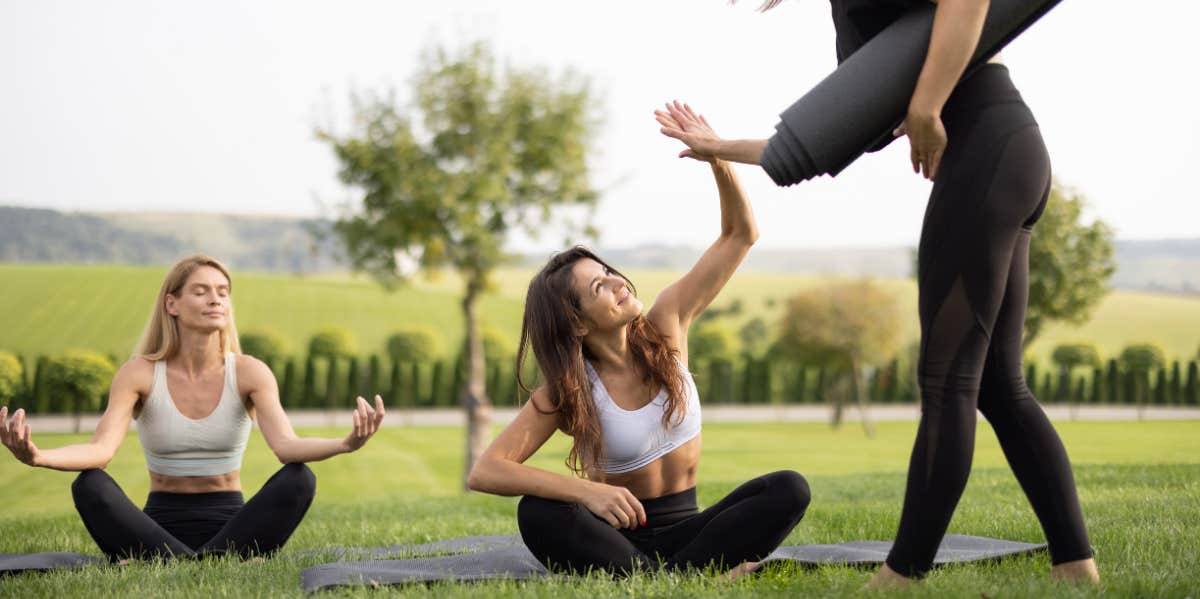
column 91, row 488
column 791, row 489
column 540, row 515
column 298, row 480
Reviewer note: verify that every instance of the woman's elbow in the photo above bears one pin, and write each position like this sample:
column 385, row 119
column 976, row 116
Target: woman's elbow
column 479, row 478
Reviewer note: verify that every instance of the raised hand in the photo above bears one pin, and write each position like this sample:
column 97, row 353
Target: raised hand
column 680, row 122
column 615, row 505
column 17, row 437
column 366, row 422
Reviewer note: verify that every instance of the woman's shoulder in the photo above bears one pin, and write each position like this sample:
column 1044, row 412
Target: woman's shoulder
column 249, row 368
column 137, row 369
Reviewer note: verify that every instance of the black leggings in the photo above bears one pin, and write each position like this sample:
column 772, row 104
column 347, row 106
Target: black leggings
column 188, row 524
column 973, row 282
column 747, row 525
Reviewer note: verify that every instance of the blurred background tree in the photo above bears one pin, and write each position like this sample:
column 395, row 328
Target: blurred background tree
column 479, row 152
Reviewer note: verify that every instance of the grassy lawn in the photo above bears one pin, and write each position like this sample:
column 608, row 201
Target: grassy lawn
column 1139, row 484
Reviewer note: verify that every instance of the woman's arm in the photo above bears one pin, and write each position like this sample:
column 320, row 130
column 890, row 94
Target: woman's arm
column 686, row 298
column 956, row 28
column 702, row 143
column 501, row 470
column 259, row 384
column 16, row 434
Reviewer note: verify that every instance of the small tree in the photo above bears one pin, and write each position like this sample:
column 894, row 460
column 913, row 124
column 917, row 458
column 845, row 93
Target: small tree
column 710, row 342
column 1070, row 357
column 78, row 379
column 481, row 151
column 1138, row 360
column 412, row 345
column 1070, row 264
column 265, row 345
column 1191, row 388
column 12, row 377
column 308, row 397
column 754, row 336
column 289, row 391
column 331, row 343
column 845, row 329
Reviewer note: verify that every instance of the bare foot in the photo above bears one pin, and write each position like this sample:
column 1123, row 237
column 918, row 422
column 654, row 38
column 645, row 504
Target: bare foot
column 887, row 578
column 1079, row 571
column 742, row 569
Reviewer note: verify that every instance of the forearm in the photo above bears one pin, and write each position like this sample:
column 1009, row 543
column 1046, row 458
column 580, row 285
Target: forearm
column 956, row 28
column 737, row 219
column 508, row 478
column 310, row 449
column 745, row 151
column 74, row 458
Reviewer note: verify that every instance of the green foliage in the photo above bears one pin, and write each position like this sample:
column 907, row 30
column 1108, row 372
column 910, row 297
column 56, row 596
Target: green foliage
column 1191, row 388
column 1142, row 357
column 290, row 393
column 308, row 396
column 1074, row 355
column 333, row 387
column 754, row 336
column 266, row 345
column 412, row 345
column 1070, row 264
column 841, row 324
column 331, row 343
column 12, row 378
column 497, row 347
column 481, row 150
column 76, row 380
column 710, row 342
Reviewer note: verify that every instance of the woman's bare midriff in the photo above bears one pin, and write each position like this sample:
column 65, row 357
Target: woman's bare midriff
column 230, row 481
column 669, row 474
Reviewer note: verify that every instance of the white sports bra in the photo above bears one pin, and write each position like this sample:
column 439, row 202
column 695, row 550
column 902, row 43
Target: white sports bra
column 176, row 445
column 634, row 438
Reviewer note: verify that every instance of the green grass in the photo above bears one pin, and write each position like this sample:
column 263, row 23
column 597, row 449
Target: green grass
column 1139, row 484
column 46, row 309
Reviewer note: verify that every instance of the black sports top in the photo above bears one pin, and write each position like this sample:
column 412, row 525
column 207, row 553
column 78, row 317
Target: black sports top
column 857, row 21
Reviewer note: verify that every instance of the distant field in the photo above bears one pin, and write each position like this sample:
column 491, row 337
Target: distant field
column 45, row 309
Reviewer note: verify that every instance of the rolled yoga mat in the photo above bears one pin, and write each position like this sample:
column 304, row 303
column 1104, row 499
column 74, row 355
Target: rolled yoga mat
column 507, row 558
column 856, row 108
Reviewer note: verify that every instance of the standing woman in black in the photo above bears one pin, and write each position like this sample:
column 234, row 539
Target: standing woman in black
column 980, row 145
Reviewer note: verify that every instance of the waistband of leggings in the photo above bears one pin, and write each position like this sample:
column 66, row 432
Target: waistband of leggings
column 988, row 85
column 164, row 500
column 670, row 506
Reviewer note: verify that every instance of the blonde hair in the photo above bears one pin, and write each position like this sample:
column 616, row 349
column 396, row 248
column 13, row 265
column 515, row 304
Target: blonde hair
column 160, row 339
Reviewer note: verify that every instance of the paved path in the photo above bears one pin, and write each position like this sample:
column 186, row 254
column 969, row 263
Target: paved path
column 712, row 413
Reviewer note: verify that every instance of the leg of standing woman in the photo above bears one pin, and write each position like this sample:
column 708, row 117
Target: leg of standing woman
column 1031, row 445
column 269, row 518
column 990, row 187
column 117, row 525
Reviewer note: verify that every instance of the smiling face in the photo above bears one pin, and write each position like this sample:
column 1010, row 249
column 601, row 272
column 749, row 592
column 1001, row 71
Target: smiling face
column 605, row 298
column 202, row 303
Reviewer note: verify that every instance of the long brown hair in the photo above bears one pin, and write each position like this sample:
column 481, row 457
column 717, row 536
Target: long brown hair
column 160, row 339
column 552, row 318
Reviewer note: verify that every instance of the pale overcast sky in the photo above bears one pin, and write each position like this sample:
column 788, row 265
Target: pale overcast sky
column 170, row 106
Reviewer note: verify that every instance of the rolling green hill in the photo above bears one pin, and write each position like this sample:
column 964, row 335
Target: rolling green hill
column 45, row 309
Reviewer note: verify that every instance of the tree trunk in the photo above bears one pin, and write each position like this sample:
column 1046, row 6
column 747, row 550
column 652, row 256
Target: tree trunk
column 856, row 388
column 474, row 393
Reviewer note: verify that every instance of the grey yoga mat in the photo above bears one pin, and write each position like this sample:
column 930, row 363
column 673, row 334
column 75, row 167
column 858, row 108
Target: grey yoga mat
column 13, row 563
column 507, row 558
column 856, row 107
